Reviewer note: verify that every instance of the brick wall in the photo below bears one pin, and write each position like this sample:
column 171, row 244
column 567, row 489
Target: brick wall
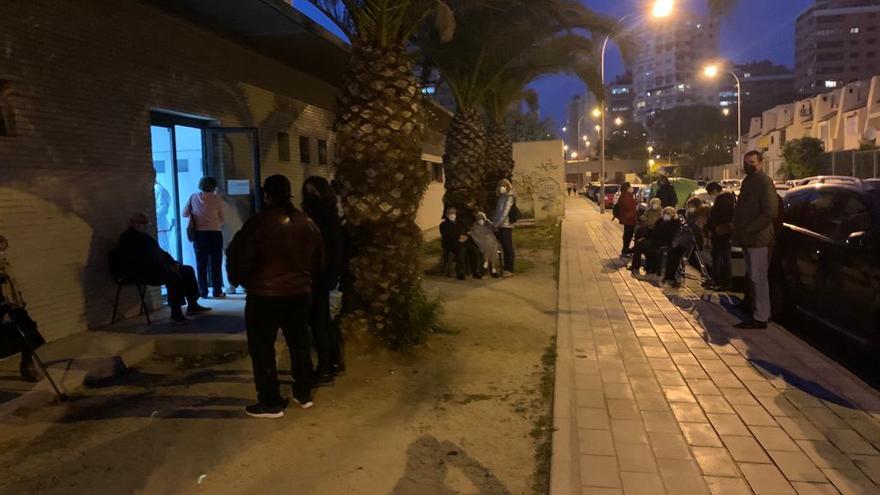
column 84, row 77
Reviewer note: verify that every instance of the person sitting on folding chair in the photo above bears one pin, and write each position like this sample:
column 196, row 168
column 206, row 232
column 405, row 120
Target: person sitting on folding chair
column 688, row 239
column 143, row 261
column 12, row 314
column 653, row 244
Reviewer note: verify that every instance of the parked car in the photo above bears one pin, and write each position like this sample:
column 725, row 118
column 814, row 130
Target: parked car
column 731, row 184
column 610, row 191
column 828, row 268
column 593, row 190
column 825, row 179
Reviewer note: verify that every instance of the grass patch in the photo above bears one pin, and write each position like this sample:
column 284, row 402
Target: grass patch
column 524, row 265
column 543, row 235
column 542, row 432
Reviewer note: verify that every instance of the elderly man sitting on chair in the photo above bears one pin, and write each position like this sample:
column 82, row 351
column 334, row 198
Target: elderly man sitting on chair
column 142, row 260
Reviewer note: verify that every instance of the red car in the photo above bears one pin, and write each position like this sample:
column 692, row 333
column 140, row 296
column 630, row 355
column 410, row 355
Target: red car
column 610, row 191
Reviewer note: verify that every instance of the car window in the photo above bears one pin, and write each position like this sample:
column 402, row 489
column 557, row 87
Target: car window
column 854, row 214
column 817, row 213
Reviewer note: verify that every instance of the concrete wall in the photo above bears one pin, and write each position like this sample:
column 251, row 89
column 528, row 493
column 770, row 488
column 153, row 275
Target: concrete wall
column 84, row 77
column 539, row 178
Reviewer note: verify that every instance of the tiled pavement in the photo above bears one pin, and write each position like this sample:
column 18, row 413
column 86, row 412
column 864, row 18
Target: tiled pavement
column 657, row 393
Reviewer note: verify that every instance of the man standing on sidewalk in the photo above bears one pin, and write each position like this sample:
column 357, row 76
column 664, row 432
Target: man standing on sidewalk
column 274, row 256
column 753, row 218
column 719, row 227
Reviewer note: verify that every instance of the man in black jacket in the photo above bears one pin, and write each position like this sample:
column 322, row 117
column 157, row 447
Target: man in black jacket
column 666, row 192
column 455, row 239
column 719, row 227
column 139, row 258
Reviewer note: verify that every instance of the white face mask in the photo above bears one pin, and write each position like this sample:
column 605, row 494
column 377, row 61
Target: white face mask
column 655, row 207
column 667, row 217
column 451, row 217
column 691, row 210
column 481, row 222
column 502, row 190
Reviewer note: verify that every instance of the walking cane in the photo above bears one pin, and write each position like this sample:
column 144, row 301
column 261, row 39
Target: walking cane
column 18, row 303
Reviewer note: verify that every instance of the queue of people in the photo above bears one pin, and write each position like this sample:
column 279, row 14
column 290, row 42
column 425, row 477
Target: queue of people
column 481, row 245
column 288, row 260
column 749, row 221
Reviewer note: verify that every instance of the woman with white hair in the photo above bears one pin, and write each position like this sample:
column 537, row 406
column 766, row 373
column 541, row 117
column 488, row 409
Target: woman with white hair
column 503, row 224
column 483, row 234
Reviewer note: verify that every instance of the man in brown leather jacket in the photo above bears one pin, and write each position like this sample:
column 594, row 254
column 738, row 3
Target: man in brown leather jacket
column 274, row 256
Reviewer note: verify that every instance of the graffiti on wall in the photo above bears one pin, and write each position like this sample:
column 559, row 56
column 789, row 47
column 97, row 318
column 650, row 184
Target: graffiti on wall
column 539, row 191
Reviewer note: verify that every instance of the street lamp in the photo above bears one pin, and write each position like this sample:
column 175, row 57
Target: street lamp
column 712, row 71
column 725, row 112
column 618, row 121
column 574, row 155
column 597, row 112
column 661, row 8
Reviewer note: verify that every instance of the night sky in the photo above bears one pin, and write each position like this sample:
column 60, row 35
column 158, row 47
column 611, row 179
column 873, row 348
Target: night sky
column 757, row 29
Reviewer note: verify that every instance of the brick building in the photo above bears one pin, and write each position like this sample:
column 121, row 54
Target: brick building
column 116, row 106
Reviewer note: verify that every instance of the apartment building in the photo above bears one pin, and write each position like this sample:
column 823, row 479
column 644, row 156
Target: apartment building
column 668, row 62
column 836, row 42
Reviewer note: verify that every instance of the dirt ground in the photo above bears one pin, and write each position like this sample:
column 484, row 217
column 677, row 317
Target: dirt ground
column 455, row 416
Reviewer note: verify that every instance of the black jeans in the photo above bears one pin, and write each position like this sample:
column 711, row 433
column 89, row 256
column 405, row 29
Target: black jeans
column 209, row 254
column 721, row 270
column 327, row 337
column 467, row 258
column 628, row 232
column 182, row 286
column 264, row 315
column 505, row 236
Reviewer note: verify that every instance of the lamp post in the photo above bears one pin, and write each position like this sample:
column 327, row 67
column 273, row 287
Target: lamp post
column 711, row 71
column 661, row 8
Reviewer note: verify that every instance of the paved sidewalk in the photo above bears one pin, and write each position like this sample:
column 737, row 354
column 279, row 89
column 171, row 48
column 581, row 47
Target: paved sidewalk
column 657, row 393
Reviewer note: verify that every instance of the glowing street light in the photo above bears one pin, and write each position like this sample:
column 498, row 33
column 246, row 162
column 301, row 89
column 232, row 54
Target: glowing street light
column 564, row 129
column 565, row 147
column 598, row 127
column 712, row 71
column 574, row 154
column 663, row 8
column 597, row 112
column 618, row 121
column 725, row 112
column 650, row 149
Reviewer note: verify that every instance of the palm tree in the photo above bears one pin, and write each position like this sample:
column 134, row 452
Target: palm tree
column 492, row 42
column 570, row 53
column 379, row 126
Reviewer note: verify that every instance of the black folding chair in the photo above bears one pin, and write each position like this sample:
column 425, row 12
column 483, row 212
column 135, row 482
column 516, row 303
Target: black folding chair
column 122, row 281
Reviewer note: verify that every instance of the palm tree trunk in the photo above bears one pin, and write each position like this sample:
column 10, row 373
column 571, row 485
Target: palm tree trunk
column 499, row 158
column 464, row 163
column 379, row 130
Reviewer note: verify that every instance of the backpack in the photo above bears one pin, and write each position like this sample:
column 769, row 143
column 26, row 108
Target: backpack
column 514, row 214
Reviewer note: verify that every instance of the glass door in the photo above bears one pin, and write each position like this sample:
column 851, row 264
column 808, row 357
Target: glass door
column 233, row 158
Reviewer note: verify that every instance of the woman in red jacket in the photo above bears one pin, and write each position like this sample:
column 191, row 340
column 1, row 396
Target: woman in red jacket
column 628, row 215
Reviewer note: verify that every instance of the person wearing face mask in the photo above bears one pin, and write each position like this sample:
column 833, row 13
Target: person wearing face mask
column 319, row 203
column 276, row 256
column 719, row 227
column 628, row 215
column 687, row 238
column 756, row 209
column 456, row 241
column 503, row 225
column 483, row 234
column 661, row 236
column 138, row 257
column 649, row 218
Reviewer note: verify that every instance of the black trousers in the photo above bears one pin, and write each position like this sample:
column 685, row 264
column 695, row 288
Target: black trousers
column 209, row 256
column 721, row 270
column 628, row 233
column 673, row 260
column 505, row 236
column 467, row 258
column 182, row 286
column 327, row 337
column 264, row 315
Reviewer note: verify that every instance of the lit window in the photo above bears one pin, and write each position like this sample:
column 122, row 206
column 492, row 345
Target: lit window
column 853, row 30
column 830, row 84
column 747, row 75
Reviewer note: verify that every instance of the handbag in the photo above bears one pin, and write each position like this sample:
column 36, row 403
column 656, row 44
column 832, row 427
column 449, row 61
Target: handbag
column 514, row 214
column 191, row 225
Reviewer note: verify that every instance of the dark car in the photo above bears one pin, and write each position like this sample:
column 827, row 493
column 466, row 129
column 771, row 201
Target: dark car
column 828, row 265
